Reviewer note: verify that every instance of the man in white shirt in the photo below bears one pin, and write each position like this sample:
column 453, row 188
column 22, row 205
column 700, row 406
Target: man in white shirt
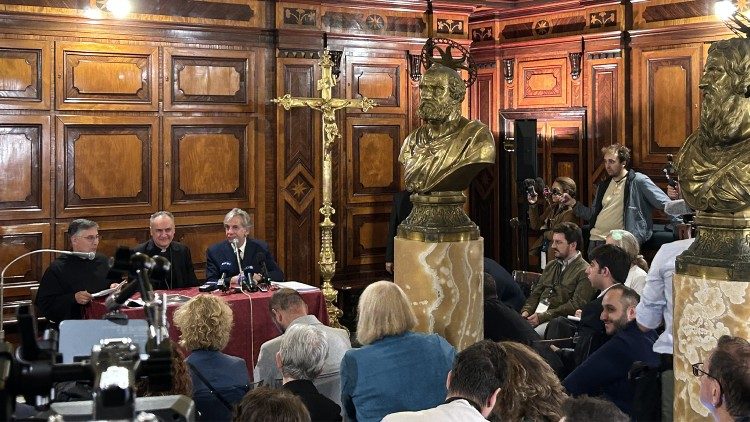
column 473, row 385
column 287, row 309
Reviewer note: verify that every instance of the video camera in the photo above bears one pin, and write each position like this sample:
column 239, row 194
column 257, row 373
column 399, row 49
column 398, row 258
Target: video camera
column 114, row 367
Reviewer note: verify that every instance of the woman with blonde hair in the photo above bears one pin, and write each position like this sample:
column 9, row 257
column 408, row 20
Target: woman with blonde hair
column 636, row 279
column 396, row 369
column 219, row 380
column 531, row 391
column 554, row 213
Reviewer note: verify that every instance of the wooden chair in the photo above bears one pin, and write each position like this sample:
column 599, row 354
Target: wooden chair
column 526, row 280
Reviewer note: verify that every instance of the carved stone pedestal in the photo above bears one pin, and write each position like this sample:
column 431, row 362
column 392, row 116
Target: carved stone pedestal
column 444, row 284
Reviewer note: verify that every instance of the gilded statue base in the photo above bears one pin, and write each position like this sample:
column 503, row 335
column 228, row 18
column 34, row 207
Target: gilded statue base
column 721, row 249
column 704, row 310
column 444, row 283
column 438, row 217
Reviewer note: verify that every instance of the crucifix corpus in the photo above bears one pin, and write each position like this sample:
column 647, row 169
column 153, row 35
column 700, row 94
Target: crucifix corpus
column 328, row 107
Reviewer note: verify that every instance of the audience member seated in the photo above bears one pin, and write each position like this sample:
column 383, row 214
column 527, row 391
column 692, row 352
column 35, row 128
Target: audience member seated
column 554, row 213
column 399, row 211
column 638, row 266
column 591, row 409
column 502, row 323
column 69, row 281
column 609, row 266
column 605, row 372
column 473, row 385
column 563, row 286
column 396, row 369
column 265, row 404
column 182, row 273
column 531, row 391
column 300, row 360
column 655, row 309
column 288, row 309
column 508, row 291
column 221, row 257
column 219, row 380
column 181, row 382
column 725, row 380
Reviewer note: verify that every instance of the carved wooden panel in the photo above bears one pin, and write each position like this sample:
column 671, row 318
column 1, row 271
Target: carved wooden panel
column 106, row 77
column 16, row 240
column 373, row 170
column 218, row 80
column 210, row 163
column 298, row 163
column 668, row 102
column 198, row 233
column 379, row 79
column 25, row 68
column 367, row 234
column 25, row 166
column 106, row 165
column 543, row 83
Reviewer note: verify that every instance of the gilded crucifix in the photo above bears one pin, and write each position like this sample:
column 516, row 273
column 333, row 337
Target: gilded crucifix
column 328, row 107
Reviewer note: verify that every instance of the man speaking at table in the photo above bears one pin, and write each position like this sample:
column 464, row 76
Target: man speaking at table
column 253, row 255
column 182, row 273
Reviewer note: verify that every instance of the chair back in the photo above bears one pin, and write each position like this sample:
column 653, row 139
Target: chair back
column 526, row 280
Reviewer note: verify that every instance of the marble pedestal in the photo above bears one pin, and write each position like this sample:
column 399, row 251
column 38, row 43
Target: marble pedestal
column 444, row 284
column 704, row 310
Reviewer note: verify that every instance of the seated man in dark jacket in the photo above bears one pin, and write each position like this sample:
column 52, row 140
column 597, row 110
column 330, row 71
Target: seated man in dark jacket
column 182, row 273
column 508, row 290
column 605, row 372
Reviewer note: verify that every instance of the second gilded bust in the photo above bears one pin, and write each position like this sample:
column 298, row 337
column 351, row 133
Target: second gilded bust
column 448, row 150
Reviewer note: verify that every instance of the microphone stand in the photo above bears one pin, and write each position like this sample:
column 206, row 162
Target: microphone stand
column 2, row 282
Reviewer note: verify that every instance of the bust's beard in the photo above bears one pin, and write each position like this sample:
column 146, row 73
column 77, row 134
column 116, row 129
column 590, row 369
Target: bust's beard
column 723, row 121
column 434, row 112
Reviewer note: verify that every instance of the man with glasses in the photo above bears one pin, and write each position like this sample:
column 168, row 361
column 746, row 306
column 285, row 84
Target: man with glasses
column 725, row 380
column 182, row 273
column 69, row 281
column 625, row 200
column 563, row 286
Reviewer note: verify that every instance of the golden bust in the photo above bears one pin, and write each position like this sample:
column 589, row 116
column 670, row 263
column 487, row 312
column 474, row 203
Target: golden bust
column 714, row 162
column 448, row 150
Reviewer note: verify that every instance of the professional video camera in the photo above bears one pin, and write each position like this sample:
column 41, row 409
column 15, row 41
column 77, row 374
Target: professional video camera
column 114, row 367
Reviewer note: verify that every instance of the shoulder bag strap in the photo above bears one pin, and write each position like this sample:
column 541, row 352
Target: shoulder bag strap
column 210, row 387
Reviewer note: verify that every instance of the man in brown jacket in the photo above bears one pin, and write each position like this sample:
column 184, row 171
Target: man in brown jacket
column 563, row 286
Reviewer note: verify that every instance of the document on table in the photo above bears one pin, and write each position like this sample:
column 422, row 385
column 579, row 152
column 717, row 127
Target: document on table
column 296, row 285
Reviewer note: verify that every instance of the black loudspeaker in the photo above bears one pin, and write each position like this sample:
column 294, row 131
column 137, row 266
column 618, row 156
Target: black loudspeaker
column 526, row 161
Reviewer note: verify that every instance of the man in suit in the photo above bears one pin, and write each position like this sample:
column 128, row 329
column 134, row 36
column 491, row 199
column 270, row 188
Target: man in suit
column 287, row 310
column 563, row 286
column 508, row 291
column 609, row 265
column 605, row 372
column 182, row 273
column 254, row 257
column 300, row 360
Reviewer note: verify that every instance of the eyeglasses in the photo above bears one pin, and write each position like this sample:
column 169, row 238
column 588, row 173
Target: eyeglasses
column 697, row 371
column 91, row 238
column 556, row 192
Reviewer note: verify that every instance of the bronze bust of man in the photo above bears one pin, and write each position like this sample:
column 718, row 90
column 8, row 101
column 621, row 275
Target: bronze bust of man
column 714, row 162
column 448, row 150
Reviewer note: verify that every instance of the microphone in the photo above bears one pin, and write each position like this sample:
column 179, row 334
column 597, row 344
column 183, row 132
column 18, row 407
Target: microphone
column 236, row 248
column 116, row 299
column 260, row 258
column 85, row 255
column 224, row 268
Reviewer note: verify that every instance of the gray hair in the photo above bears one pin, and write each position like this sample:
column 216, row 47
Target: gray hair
column 304, row 349
column 244, row 216
column 158, row 214
column 78, row 225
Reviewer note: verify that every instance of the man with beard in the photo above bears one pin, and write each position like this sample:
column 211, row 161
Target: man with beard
column 605, row 372
column 448, row 150
column 714, row 162
column 563, row 286
column 625, row 200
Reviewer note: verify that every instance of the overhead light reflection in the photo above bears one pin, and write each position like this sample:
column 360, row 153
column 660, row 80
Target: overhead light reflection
column 724, row 9
column 118, row 8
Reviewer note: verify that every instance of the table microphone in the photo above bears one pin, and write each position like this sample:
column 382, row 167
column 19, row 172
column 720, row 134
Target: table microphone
column 116, row 299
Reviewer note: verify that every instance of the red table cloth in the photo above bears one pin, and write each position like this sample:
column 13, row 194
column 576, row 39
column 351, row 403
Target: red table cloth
column 252, row 319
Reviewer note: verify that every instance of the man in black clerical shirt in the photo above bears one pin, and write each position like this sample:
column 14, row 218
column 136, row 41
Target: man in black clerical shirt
column 182, row 273
column 69, row 281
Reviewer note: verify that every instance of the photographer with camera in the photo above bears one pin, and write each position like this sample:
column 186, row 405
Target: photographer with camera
column 555, row 212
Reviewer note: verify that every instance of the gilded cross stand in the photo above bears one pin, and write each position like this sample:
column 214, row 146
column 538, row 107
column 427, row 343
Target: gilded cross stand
column 328, row 107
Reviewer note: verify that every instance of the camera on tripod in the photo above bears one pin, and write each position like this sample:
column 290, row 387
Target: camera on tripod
column 114, row 366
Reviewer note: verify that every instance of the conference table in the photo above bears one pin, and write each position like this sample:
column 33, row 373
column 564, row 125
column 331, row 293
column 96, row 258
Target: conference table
column 252, row 319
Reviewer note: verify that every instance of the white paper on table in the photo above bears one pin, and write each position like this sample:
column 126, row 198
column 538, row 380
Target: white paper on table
column 296, row 285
